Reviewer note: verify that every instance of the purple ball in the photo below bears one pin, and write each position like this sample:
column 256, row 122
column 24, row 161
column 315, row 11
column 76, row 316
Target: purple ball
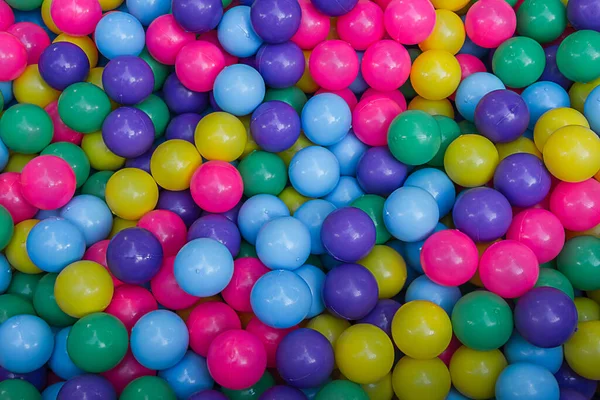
column 334, row 8
column 128, row 132
column 37, row 378
column 348, row 234
column 143, row 162
column 523, row 179
column 181, row 203
column 484, row 214
column 281, row 65
column 87, row 387
column 275, row 126
column 208, row 395
column 378, row 172
column 570, row 394
column 304, row 358
column 231, row 215
column 551, row 72
column 63, row 64
column 219, row 228
column 569, row 379
column 281, row 392
column 584, row 14
column 502, row 116
column 350, row 291
column 197, row 16
column 546, row 317
column 128, row 80
column 134, row 255
column 183, row 127
column 275, row 21
column 180, row 99
column 382, row 315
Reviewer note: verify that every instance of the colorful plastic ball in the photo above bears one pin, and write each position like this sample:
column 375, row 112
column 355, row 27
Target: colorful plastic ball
column 525, row 379
column 33, row 36
column 373, row 206
column 16, row 252
column 134, row 256
column 198, row 64
column 219, row 228
column 7, row 16
column 571, row 153
column 472, row 89
column 119, row 34
column 540, row 230
column 348, row 234
column 188, row 376
column 518, row 349
column 409, row 22
column 437, row 184
column 281, row 65
column 501, row 116
column 236, row 34
column 570, row 380
column 30, row 88
column 14, row 57
column 86, row 44
column 128, row 80
column 165, row 38
column 314, row 26
column 73, row 155
column 336, row 9
column 471, row 160
column 449, row 258
column 408, row 382
column 256, row 212
column 76, row 17
column 575, row 204
column 128, row 132
column 275, row 136
column 130, row 303
column 239, row 89
column 246, row 272
column 581, row 352
column 47, row 182
column 26, row 345
column 580, row 14
column 410, row 214
column 388, row 268
column 422, row 288
column 173, row 163
column 344, row 302
column 275, row 21
column 579, row 262
column 181, row 203
column 379, row 172
column 542, row 21
column 127, row 371
column 474, row 373
column 180, row 99
column 182, row 127
column 435, row 74
column 414, row 137
column 207, row 321
column 314, row 171
column 87, row 386
column 334, row 64
column 312, row 214
column 216, row 186
column 197, row 16
column 543, row 96
column 523, row 179
column 491, row 23
column 147, row 11
column 448, row 33
column 63, row 64
column 371, row 119
column 283, row 243
column 519, row 62
column 362, row 26
column 25, row 128
column 326, row 119
column 577, row 56
column 131, row 193
column 166, row 291
column 385, row 65
column 83, row 107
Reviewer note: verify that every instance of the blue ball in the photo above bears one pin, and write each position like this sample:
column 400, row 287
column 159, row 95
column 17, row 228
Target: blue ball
column 91, row 215
column 6, row 90
column 203, row 267
column 188, row 376
column 159, row 340
column 544, row 96
column 119, row 34
column 281, row 299
column 283, row 243
column 236, row 34
column 147, row 11
column 26, row 343
column 526, row 381
column 326, row 119
column 60, row 363
column 312, row 214
column 51, row 392
column 346, row 191
column 412, row 251
column 257, row 211
column 5, row 274
column 45, row 214
column 518, row 349
column 472, row 89
column 591, row 110
column 3, row 155
column 314, row 171
column 423, row 288
column 239, row 89
column 314, row 278
column 410, row 214
column 348, row 152
column 437, row 184
column 359, row 85
column 55, row 243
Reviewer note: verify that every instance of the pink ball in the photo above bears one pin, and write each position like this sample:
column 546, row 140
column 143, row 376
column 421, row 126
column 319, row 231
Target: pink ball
column 126, row 371
column 346, row 94
column 62, row 133
column 409, row 21
column 166, row 291
column 447, row 354
column 333, row 64
column 7, row 16
column 97, row 253
column 449, row 257
column 11, row 197
column 198, row 64
column 164, row 39
column 362, row 26
column 216, row 186
column 269, row 337
column 207, row 321
column 509, row 269
column 76, row 17
column 540, row 230
column 395, row 95
column 577, row 205
column 211, row 37
column 246, row 272
column 371, row 119
column 383, row 3
column 130, row 303
column 490, row 22
column 168, row 228
column 469, row 64
column 386, row 65
column 34, row 38
column 314, row 27
column 236, row 359
column 13, row 57
column 48, row 182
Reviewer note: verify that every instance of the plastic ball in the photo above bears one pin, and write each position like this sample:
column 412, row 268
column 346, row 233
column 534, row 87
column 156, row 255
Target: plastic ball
column 165, row 38
column 372, row 118
column 580, row 14
column 131, row 193
column 409, row 21
column 166, row 291
column 574, row 204
column 581, row 352
column 275, row 21
column 312, row 214
column 281, row 65
column 540, row 230
column 362, row 26
column 314, row 171
column 73, row 155
column 199, row 56
column 519, row 62
column 385, row 65
column 472, row 89
column 25, row 128
column 134, row 256
column 435, row 74
column 373, row 206
column 571, row 153
column 239, row 89
column 408, row 382
column 525, row 379
column 501, row 116
column 188, row 376
column 173, row 163
column 333, row 64
column 334, row 10
column 146, row 11
column 569, row 379
column 448, row 33
column 388, row 268
column 29, row 87
column 379, row 172
column 207, row 321
column 491, row 23
column 280, row 136
column 27, row 343
column 422, row 288
column 14, row 57
column 7, row 16
column 283, row 243
column 470, row 160
column 33, row 36
column 76, row 17
column 219, row 228
column 542, row 21
column 128, row 80
column 119, row 34
column 180, row 99
column 128, row 132
column 437, row 184
column 577, row 56
column 16, row 252
column 410, row 214
column 326, row 119
column 523, row 179
column 474, row 373
column 236, row 34
column 543, row 96
column 55, row 243
column 197, row 16
column 578, row 262
column 341, row 301
column 216, row 186
column 48, row 182
column 449, row 258
column 518, row 349
column 414, row 137
column 83, row 107
column 314, row 26
column 63, row 64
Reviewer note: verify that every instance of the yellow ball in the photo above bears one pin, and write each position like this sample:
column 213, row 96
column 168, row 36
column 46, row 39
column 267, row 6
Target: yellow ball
column 595, row 231
column 474, row 373
column 520, row 145
column 553, row 120
column 119, row 224
column 572, row 153
column 329, row 326
column 388, row 268
column 101, row 158
column 30, row 88
column 421, row 329
column 587, row 309
column 421, row 379
column 306, row 83
column 432, row 107
column 582, row 350
column 292, row 199
column 435, row 74
column 471, row 160
column 108, row 5
column 300, row 144
column 95, row 77
column 16, row 252
column 580, row 91
column 220, row 136
column 448, row 33
column 173, row 163
column 452, row 5
column 364, row 353
column 17, row 161
column 131, row 193
column 85, row 43
column 45, row 9
column 380, row 390
column 251, row 145
column 83, row 288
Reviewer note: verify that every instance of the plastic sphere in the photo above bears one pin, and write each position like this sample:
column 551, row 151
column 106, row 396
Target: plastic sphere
column 33, row 36
column 26, row 128
column 168, row 228
column 73, row 155
column 525, row 379
column 338, row 9
column 127, row 80
column 518, row 349
column 236, row 34
column 362, row 26
column 410, row 214
column 134, row 255
column 519, row 62
column 19, row 388
column 581, row 352
column 7, row 16
column 474, row 373
column 523, row 179
column 29, row 87
column 373, row 206
column 275, row 21
column 540, row 230
column 166, row 291
column 385, row 65
column 326, row 119
column 314, row 26
column 16, row 252
column 346, row 303
column 63, row 64
column 220, row 136
column 388, row 268
column 587, row 309
column 348, row 234
column 448, row 33
column 379, row 172
column 372, row 118
column 47, row 182
column 314, row 171
column 27, row 343
column 542, row 21
column 119, row 34
column 571, row 153
column 275, row 126
column 76, row 17
column 449, row 258
column 257, row 211
column 128, row 132
column 173, row 163
column 575, row 203
column 180, row 99
column 471, row 160
column 239, row 89
column 87, row 386
column 216, row 186
column 188, row 376
column 14, row 57
column 312, row 214
column 579, row 261
column 577, row 56
column 423, row 288
column 199, row 56
column 409, row 21
column 472, row 89
column 165, row 38
column 570, row 380
column 409, row 383
column 131, row 193
column 246, row 272
column 491, row 23
column 334, row 64
column 435, row 74
column 14, row 304
column 207, row 321
column 283, row 243
column 501, row 116
column 281, row 65
column 83, row 107
column 437, row 184
column 543, row 96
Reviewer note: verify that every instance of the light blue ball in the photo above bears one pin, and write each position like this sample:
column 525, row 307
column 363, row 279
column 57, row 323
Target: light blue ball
column 314, row 171
column 348, row 152
column 55, row 243
column 437, row 184
column 239, row 89
column 119, row 34
column 346, row 191
column 257, row 211
column 147, row 11
column 283, row 243
column 472, row 89
column 91, row 215
column 51, row 392
column 326, row 119
column 518, row 349
column 45, row 214
column 60, row 363
column 544, row 96
column 410, row 214
column 159, row 340
column 203, row 267
column 236, row 34
column 424, row 288
column 281, row 299
column 3, row 155
column 591, row 109
column 26, row 343
column 526, row 381
column 314, row 278
column 6, row 90
column 412, row 251
column 188, row 376
column 5, row 274
column 312, row 214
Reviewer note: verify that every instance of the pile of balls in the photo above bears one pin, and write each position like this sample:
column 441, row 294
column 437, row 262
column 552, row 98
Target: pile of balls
column 299, row 199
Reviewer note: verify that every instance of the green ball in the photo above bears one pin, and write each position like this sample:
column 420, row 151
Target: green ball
column 449, row 130
column 482, row 321
column 24, row 5
column 552, row 278
column 246, row 250
column 26, row 128
column 542, row 20
column 407, row 89
column 342, row 390
column 148, row 387
column 11, row 305
column 96, row 184
column 24, row 285
column 252, row 393
column 226, row 3
column 83, row 107
column 160, row 71
column 158, row 112
column 45, row 304
column 579, row 261
column 97, row 342
column 291, row 95
column 263, row 173
column 519, row 62
column 74, row 156
column 1, row 101
column 373, row 206
column 578, row 56
column 7, row 227
column 18, row 389
column 414, row 137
